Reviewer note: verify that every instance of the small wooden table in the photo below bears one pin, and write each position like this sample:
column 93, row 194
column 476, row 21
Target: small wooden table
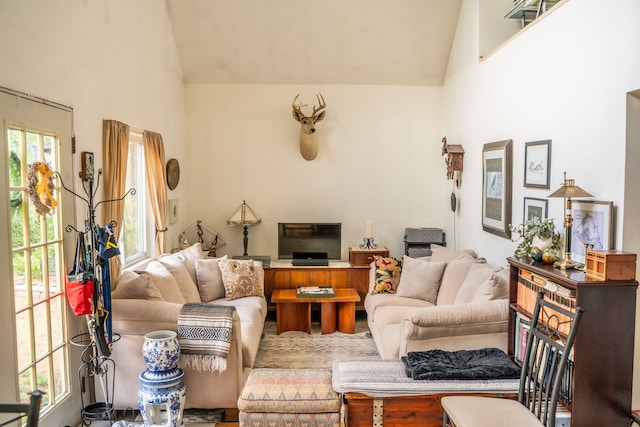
column 336, row 313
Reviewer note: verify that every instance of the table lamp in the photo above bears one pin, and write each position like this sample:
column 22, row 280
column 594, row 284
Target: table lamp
column 245, row 216
column 568, row 190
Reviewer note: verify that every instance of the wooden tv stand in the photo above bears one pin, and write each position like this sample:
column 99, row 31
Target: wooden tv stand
column 339, row 274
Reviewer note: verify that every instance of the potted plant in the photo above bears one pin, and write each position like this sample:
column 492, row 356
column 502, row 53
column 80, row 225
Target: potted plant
column 538, row 236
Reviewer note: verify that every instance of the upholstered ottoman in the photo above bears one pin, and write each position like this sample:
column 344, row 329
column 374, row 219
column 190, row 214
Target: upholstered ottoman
column 289, row 397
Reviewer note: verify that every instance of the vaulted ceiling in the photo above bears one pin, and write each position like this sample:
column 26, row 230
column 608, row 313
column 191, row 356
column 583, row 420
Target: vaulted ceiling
column 370, row 42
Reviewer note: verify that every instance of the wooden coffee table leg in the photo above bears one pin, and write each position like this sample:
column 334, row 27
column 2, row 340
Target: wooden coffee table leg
column 293, row 317
column 328, row 317
column 347, row 317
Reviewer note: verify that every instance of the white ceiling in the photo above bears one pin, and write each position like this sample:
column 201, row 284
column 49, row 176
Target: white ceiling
column 373, row 42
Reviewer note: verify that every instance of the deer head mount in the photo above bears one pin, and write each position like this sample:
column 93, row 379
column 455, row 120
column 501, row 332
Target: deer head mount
column 308, row 136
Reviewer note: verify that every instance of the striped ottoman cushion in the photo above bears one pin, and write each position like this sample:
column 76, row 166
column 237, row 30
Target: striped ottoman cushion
column 292, row 397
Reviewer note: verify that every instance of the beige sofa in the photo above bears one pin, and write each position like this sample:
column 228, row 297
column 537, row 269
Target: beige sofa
column 151, row 299
column 450, row 300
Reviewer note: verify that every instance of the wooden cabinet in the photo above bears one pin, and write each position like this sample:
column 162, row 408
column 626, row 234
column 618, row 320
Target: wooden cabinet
column 339, row 275
column 604, row 346
column 359, row 256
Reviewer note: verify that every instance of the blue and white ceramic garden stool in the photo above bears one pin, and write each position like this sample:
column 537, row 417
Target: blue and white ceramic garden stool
column 162, row 393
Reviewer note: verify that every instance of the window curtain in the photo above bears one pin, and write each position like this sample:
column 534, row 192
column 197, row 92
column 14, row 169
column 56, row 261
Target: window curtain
column 156, row 179
column 115, row 153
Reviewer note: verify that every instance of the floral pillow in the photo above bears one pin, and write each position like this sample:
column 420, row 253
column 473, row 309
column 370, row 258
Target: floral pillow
column 240, row 278
column 387, row 276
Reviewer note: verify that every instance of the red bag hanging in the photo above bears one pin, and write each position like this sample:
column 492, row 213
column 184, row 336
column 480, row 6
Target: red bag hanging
column 80, row 294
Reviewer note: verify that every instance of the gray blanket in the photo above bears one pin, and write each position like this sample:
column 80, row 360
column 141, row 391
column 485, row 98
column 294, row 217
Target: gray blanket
column 483, row 364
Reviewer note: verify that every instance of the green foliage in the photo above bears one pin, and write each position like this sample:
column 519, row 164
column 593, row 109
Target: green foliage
column 543, row 228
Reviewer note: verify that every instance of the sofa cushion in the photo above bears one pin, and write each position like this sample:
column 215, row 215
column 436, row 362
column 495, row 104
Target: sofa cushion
column 373, row 302
column 444, row 254
column 210, row 284
column 477, row 275
column 495, row 287
column 420, row 279
column 387, row 275
column 452, row 278
column 189, row 256
column 131, row 285
column 164, row 281
column 176, row 265
column 240, row 278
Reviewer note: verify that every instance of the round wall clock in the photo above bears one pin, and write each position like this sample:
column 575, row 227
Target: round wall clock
column 173, row 173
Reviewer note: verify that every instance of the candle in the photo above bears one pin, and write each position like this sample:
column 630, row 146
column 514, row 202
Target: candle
column 368, row 229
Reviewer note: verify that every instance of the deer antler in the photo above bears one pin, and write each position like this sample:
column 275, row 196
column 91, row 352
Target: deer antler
column 320, row 107
column 297, row 107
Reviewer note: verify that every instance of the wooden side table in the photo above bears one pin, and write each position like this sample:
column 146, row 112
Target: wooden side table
column 336, row 313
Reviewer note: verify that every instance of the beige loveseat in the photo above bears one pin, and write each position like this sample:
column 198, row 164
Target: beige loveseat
column 450, row 301
column 151, row 299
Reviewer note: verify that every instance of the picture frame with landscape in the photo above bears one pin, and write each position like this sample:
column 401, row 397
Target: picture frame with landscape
column 592, row 225
column 537, row 164
column 497, row 166
column 534, row 208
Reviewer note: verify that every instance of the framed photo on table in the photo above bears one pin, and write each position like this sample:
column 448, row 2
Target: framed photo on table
column 534, row 208
column 592, row 225
column 497, row 165
column 537, row 164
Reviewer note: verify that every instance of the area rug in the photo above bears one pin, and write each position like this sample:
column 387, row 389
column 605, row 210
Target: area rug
column 299, row 350
column 208, row 417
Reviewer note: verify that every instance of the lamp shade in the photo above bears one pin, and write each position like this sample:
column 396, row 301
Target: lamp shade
column 569, row 189
column 244, row 215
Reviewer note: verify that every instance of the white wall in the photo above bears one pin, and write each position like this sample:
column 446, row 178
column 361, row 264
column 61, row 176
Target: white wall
column 379, row 159
column 565, row 79
column 106, row 60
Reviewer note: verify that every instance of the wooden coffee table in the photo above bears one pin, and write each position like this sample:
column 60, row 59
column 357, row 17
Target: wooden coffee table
column 336, row 313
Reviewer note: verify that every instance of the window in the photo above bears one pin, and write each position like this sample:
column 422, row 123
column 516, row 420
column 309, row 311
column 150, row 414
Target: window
column 133, row 245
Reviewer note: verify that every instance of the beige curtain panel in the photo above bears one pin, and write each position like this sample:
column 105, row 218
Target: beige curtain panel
column 156, row 179
column 115, row 151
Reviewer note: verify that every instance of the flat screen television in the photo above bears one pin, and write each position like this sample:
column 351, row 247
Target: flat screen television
column 309, row 237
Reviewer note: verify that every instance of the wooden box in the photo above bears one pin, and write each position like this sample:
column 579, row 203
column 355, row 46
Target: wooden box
column 365, row 256
column 401, row 411
column 610, row 265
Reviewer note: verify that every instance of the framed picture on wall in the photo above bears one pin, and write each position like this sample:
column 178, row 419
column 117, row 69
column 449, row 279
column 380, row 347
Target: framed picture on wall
column 497, row 165
column 592, row 225
column 537, row 164
column 534, row 208
column 173, row 211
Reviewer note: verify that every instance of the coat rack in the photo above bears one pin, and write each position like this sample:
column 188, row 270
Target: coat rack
column 97, row 341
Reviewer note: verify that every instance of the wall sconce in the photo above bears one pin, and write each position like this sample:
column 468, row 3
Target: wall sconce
column 244, row 216
column 568, row 190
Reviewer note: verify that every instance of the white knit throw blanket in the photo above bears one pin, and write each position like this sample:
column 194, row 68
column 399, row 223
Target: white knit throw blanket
column 204, row 333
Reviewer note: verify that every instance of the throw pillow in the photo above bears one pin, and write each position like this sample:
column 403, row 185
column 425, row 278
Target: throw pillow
column 387, row 275
column 240, row 278
column 444, row 254
column 477, row 275
column 454, row 274
column 176, row 265
column 164, row 281
column 420, row 279
column 131, row 285
column 210, row 285
column 496, row 287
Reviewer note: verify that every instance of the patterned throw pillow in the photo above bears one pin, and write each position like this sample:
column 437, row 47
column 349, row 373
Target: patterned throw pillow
column 388, row 272
column 240, row 278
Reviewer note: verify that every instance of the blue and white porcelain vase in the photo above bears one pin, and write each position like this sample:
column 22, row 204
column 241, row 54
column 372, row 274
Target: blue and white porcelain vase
column 162, row 393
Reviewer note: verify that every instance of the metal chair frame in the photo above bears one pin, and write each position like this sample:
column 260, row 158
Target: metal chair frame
column 31, row 410
column 545, row 361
